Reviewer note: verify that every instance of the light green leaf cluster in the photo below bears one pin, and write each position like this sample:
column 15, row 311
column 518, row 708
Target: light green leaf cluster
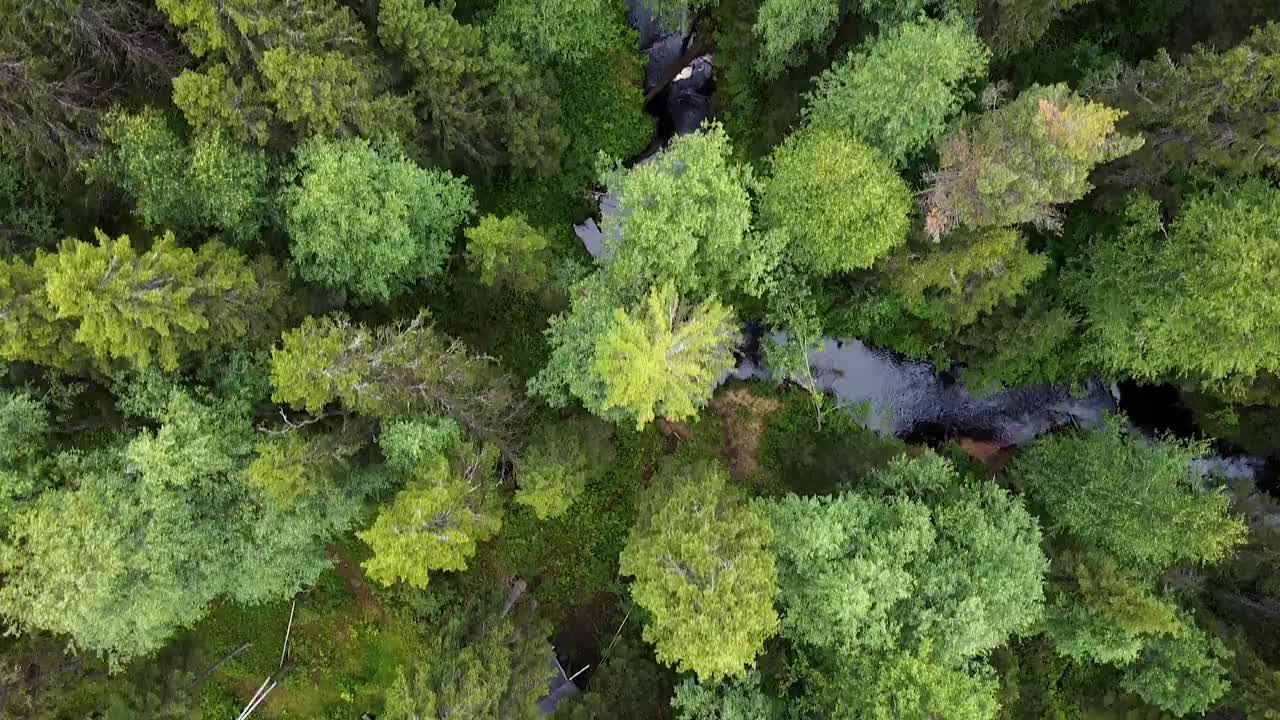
column 842, row 204
column 889, row 686
column 301, row 64
column 507, row 250
column 148, row 535
column 898, row 94
column 663, row 358
column 937, row 561
column 393, row 371
column 436, row 521
column 369, row 220
column 1134, row 500
column 1183, row 674
column 91, row 304
column 699, row 555
column 685, row 218
column 209, row 182
column 789, row 28
column 559, row 31
column 1185, row 304
column 157, row 305
column 1128, row 510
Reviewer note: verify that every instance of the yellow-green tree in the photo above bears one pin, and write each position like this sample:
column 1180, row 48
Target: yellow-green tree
column 841, row 202
column 449, row 504
column 699, row 555
column 663, row 358
column 155, row 305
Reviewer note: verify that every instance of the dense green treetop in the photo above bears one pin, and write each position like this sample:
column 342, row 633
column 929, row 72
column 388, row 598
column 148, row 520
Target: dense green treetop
column 560, row 31
column 447, row 506
column 702, row 570
column 788, row 29
column 1186, row 302
column 1136, row 500
column 157, row 305
column 840, row 202
column 210, row 181
column 898, row 94
column 663, row 357
column 562, row 457
column 629, row 364
column 1016, row 163
column 370, row 221
column 482, row 105
column 488, row 660
column 395, row 370
column 305, row 65
column 684, row 218
column 953, row 565
column 888, row 686
column 1210, row 108
column 508, row 251
column 1184, row 674
column 143, row 537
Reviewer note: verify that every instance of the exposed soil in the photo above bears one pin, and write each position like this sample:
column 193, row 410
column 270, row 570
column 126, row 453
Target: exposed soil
column 745, row 416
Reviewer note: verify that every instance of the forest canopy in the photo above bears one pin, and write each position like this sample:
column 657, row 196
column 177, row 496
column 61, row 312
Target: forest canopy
column 610, row 359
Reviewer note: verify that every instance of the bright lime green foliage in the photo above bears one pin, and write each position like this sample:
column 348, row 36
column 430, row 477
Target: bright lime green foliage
column 684, row 219
column 481, row 105
column 509, row 251
column 841, row 202
column 938, row 562
column 1016, row 163
column 703, row 572
column 1190, row 302
column 664, row 358
column 157, row 305
column 789, row 28
column 1182, row 674
column 209, row 182
column 392, row 371
column 290, row 466
column 140, row 540
column 301, row 64
column 1104, row 612
column 1209, row 108
column 484, row 662
column 895, row 685
column 561, row 459
column 1133, row 499
column 560, row 31
column 30, row 329
column 898, row 94
column 448, row 506
column 369, row 220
